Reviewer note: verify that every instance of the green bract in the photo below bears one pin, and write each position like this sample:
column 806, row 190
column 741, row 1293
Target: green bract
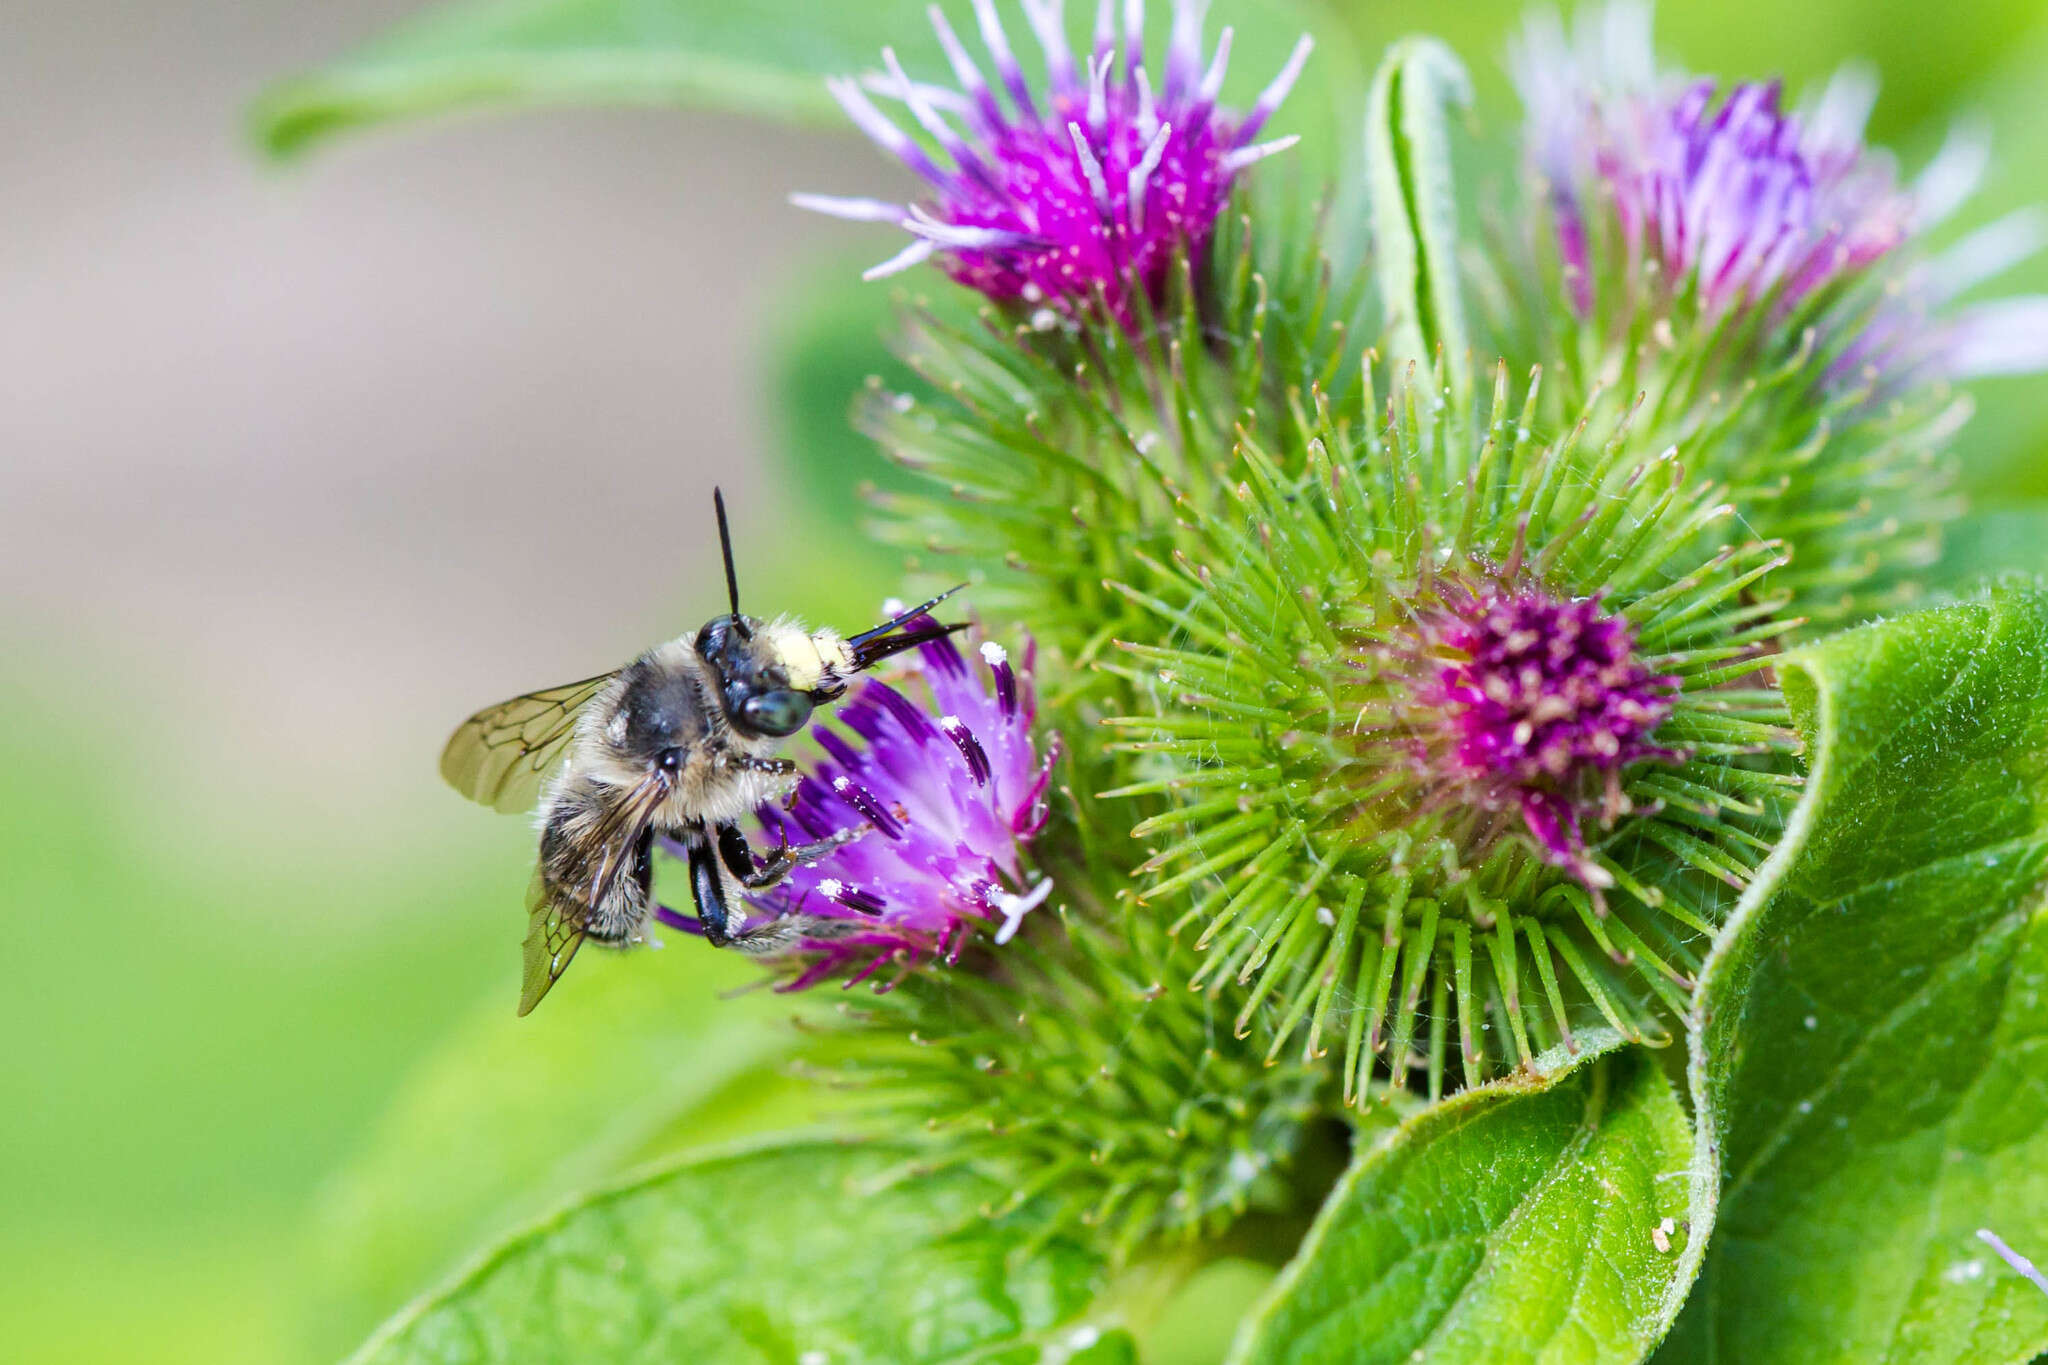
column 1051, row 455
column 1851, row 470
column 1099, row 1094
column 1438, row 638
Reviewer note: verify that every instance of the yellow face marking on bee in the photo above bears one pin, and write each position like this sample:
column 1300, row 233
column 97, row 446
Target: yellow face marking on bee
column 799, row 657
column 815, row 660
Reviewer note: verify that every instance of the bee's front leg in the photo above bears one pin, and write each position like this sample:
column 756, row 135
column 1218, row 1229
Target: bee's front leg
column 771, row 767
column 757, row 876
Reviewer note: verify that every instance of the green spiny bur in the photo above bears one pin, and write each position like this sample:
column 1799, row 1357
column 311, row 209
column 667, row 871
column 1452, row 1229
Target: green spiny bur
column 1057, row 449
column 1057, row 452
column 1788, row 345
column 1252, row 568
column 1074, row 1070
column 1328, row 850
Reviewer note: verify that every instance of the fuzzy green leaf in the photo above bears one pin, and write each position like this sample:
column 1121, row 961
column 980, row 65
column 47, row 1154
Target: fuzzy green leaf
column 1516, row 1221
column 1415, row 205
column 801, row 1252
column 763, row 57
column 1872, row 1025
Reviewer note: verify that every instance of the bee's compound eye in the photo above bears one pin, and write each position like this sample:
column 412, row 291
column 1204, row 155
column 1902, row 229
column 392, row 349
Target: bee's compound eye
column 712, row 638
column 669, row 760
column 776, row 713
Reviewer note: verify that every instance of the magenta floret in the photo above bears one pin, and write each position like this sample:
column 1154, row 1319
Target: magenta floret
column 1055, row 195
column 1534, row 703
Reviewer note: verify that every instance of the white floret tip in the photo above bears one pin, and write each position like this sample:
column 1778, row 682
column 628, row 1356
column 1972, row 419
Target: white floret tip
column 1013, row 907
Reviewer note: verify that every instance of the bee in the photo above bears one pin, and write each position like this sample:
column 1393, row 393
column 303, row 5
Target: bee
column 681, row 742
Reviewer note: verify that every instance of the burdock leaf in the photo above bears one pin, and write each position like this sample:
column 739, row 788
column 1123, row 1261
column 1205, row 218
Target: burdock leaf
column 763, row 57
column 802, row 1252
column 1415, row 206
column 1871, row 1041
column 1532, row 1219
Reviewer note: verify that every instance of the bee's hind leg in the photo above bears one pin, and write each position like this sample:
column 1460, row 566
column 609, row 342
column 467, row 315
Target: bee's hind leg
column 707, row 888
column 759, row 875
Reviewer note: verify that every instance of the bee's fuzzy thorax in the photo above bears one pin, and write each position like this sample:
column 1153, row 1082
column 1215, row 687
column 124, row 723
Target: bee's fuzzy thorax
column 706, row 787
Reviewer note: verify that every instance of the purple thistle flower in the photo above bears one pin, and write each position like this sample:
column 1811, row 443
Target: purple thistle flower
column 1746, row 202
column 1095, row 181
column 943, row 771
column 1735, row 192
column 1524, row 702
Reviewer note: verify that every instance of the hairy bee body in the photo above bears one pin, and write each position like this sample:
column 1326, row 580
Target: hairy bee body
column 668, row 698
column 666, row 701
column 680, row 744
column 573, row 851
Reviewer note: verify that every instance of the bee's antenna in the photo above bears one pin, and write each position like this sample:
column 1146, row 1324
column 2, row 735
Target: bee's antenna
column 732, row 582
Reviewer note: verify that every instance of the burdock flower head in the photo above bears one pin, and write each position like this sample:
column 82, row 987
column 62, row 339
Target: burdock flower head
column 1681, row 190
column 1764, row 277
column 1729, row 193
column 944, row 772
column 1456, row 736
column 1523, row 703
column 1089, row 186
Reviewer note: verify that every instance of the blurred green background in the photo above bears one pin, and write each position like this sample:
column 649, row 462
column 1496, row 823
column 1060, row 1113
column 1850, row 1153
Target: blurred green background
column 300, row 467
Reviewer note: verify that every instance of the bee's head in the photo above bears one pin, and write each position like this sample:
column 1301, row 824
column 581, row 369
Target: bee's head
column 762, row 699
column 761, row 669
column 772, row 674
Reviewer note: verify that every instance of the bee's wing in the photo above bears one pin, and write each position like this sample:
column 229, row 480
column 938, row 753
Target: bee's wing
column 502, row 754
column 554, row 931
column 557, row 923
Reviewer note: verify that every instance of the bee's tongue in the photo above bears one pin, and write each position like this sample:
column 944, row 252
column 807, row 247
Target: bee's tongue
column 870, row 650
